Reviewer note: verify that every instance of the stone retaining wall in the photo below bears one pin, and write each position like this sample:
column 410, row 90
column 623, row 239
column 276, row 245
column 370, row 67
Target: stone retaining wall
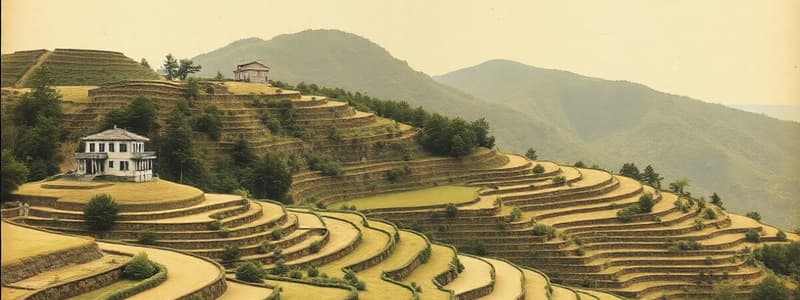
column 27, row 267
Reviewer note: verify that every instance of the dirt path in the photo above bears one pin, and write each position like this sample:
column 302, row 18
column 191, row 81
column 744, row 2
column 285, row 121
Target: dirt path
column 477, row 273
column 237, row 291
column 508, row 281
column 185, row 273
column 29, row 72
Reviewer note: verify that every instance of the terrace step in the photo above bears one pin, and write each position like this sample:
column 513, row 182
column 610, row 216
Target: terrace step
column 509, row 281
column 476, row 279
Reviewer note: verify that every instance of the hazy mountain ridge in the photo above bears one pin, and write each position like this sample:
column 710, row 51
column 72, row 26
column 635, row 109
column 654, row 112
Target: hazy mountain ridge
column 565, row 116
column 748, row 158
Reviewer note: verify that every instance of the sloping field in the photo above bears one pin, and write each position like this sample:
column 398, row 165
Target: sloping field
column 94, row 67
column 15, row 65
column 439, row 195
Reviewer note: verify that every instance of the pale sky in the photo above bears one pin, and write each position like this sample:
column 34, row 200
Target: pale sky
column 724, row 51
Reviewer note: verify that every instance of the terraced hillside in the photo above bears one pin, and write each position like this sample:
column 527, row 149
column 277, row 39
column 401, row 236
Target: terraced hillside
column 359, row 136
column 74, row 67
column 388, row 260
column 648, row 256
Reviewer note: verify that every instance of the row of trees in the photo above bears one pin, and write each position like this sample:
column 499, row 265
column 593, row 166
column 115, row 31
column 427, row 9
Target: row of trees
column 440, row 135
column 179, row 69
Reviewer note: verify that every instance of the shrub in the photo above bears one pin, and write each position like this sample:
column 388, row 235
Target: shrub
column 709, row 260
column 754, row 215
column 416, row 287
column 709, row 213
column 698, row 224
column 101, row 212
column 312, row 272
column 296, row 275
column 544, row 230
column 216, row 225
column 353, row 207
column 502, row 225
column 770, row 288
column 578, row 240
column 280, row 268
column 625, row 215
column 250, row 272
column 263, row 248
column 538, row 169
column 646, row 203
column 516, row 214
column 315, row 246
column 579, row 251
column 752, row 236
column 560, row 180
column 275, row 234
column 230, row 253
column 451, row 210
column 781, row 236
column 395, row 174
column 140, row 267
column 478, row 247
column 325, row 164
column 146, row 238
column 684, row 245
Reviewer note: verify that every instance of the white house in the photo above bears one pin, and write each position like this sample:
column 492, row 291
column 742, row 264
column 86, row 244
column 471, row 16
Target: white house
column 253, row 71
column 116, row 152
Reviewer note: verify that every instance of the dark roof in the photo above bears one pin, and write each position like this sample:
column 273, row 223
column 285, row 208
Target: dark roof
column 115, row 134
column 255, row 62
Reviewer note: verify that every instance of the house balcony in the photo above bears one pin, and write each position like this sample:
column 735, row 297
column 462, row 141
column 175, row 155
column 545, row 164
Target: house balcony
column 143, row 155
column 83, row 155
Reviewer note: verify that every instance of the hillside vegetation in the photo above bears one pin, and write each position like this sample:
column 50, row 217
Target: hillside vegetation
column 748, row 158
column 744, row 157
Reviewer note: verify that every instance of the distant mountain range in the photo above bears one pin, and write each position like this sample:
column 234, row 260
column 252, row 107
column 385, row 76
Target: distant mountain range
column 782, row 112
column 749, row 159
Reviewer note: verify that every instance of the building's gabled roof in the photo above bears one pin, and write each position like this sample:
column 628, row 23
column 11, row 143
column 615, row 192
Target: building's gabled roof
column 253, row 65
column 115, row 134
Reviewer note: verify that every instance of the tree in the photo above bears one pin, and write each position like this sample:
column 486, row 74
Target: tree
column 101, row 212
column 144, row 63
column 646, row 203
column 754, row 215
column 679, row 186
column 186, row 67
column 651, row 178
column 724, row 291
column 171, row 67
column 179, row 158
column 219, row 77
column 579, row 164
column 770, row 288
column 630, row 170
column 242, row 155
column 271, row 178
column 14, row 173
column 139, row 117
column 531, row 154
column 716, row 200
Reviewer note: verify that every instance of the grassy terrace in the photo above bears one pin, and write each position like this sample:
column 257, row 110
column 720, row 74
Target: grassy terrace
column 157, row 191
column 292, row 290
column 106, row 291
column 439, row 262
column 76, row 93
column 430, row 196
column 20, row 242
column 246, row 88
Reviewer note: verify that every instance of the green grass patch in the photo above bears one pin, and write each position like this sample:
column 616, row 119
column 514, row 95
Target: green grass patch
column 430, row 196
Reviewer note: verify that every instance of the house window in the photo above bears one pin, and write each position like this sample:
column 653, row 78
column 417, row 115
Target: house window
column 110, row 162
column 91, row 147
column 102, row 147
column 123, row 147
column 123, row 165
column 110, row 147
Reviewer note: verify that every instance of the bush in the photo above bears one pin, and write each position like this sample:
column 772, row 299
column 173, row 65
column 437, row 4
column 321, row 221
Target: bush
column 770, row 288
column 754, row 215
column 646, row 203
column 538, row 169
column 324, row 163
column 781, row 236
column 709, row 213
column 263, row 248
column 230, row 253
column 451, row 210
column 502, row 225
column 579, row 251
column 280, row 268
column 684, row 245
column 313, row 272
column 315, row 246
column 146, row 238
column 395, row 174
column 478, row 247
column 216, row 225
column 275, row 234
column 625, row 215
column 296, row 275
column 544, row 230
column 140, row 267
column 516, row 214
column 101, row 212
column 709, row 260
column 752, row 236
column 250, row 272
column 559, row 180
column 698, row 224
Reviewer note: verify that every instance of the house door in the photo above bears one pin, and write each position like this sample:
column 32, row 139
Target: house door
column 88, row 166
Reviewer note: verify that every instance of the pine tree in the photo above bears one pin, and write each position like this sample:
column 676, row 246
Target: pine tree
column 630, row 170
column 650, row 177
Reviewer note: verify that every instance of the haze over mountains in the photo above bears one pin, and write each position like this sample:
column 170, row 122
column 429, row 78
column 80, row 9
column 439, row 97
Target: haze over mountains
column 749, row 159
